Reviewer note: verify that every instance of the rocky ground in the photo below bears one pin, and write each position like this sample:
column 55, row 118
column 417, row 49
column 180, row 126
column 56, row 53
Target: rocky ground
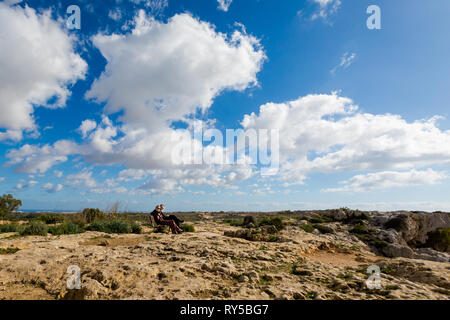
column 220, row 261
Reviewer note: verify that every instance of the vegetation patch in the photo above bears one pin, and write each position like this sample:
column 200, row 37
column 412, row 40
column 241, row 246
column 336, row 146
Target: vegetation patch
column 8, row 250
column 277, row 222
column 51, row 218
column 8, row 204
column 439, row 240
column 113, row 226
column 66, row 228
column 91, row 215
column 188, row 228
column 35, row 228
column 234, row 222
column 307, row 227
column 323, row 228
column 6, row 228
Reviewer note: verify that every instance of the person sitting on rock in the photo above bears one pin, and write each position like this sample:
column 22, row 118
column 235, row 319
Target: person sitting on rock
column 162, row 220
column 171, row 217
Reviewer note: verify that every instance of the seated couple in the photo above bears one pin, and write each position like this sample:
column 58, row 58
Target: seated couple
column 162, row 220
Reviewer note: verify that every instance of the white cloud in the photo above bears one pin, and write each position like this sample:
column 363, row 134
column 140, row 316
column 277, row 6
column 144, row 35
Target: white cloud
column 156, row 74
column 346, row 61
column 154, row 6
column 327, row 133
column 390, row 179
column 37, row 67
column 58, row 173
column 82, row 179
column 132, row 174
column 50, row 188
column 326, row 8
column 224, row 4
column 33, row 159
column 29, row 184
column 2, row 179
column 115, row 15
column 164, row 72
column 86, row 127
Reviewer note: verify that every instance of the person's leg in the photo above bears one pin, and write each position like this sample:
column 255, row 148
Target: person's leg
column 175, row 218
column 171, row 224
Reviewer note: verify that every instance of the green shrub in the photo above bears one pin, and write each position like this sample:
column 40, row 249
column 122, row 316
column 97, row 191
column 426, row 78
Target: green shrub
column 136, row 228
column 78, row 220
column 277, row 222
column 91, row 215
column 5, row 228
column 234, row 222
column 188, row 228
column 51, row 218
column 113, row 226
column 99, row 226
column 8, row 250
column 66, row 228
column 323, row 228
column 35, row 228
column 360, row 228
column 439, row 239
column 118, row 226
column 307, row 227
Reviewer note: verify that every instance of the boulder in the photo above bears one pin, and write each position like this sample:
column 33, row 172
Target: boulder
column 394, row 250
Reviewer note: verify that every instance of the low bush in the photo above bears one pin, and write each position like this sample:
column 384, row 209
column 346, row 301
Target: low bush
column 324, row 229
column 360, row 228
column 8, row 250
column 307, row 227
column 114, row 226
column 66, row 228
column 91, row 215
column 4, row 228
column 35, row 228
column 439, row 240
column 51, row 218
column 277, row 222
column 187, row 228
column 234, row 222
column 136, row 228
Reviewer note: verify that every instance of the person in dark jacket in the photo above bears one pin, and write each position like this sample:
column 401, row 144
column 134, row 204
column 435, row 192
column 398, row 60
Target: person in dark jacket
column 162, row 220
column 171, row 217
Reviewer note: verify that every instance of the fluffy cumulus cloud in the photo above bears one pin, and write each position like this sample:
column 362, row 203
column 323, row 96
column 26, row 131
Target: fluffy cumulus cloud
column 327, row 133
column 169, row 181
column 36, row 68
column 82, row 179
column 34, row 158
column 224, row 4
column 390, row 179
column 162, row 72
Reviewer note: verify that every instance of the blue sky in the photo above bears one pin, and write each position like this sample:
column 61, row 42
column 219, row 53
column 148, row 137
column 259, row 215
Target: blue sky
column 86, row 116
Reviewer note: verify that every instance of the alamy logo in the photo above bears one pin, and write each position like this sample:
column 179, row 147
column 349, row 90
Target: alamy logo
column 74, row 20
column 74, row 280
column 374, row 280
column 374, row 21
